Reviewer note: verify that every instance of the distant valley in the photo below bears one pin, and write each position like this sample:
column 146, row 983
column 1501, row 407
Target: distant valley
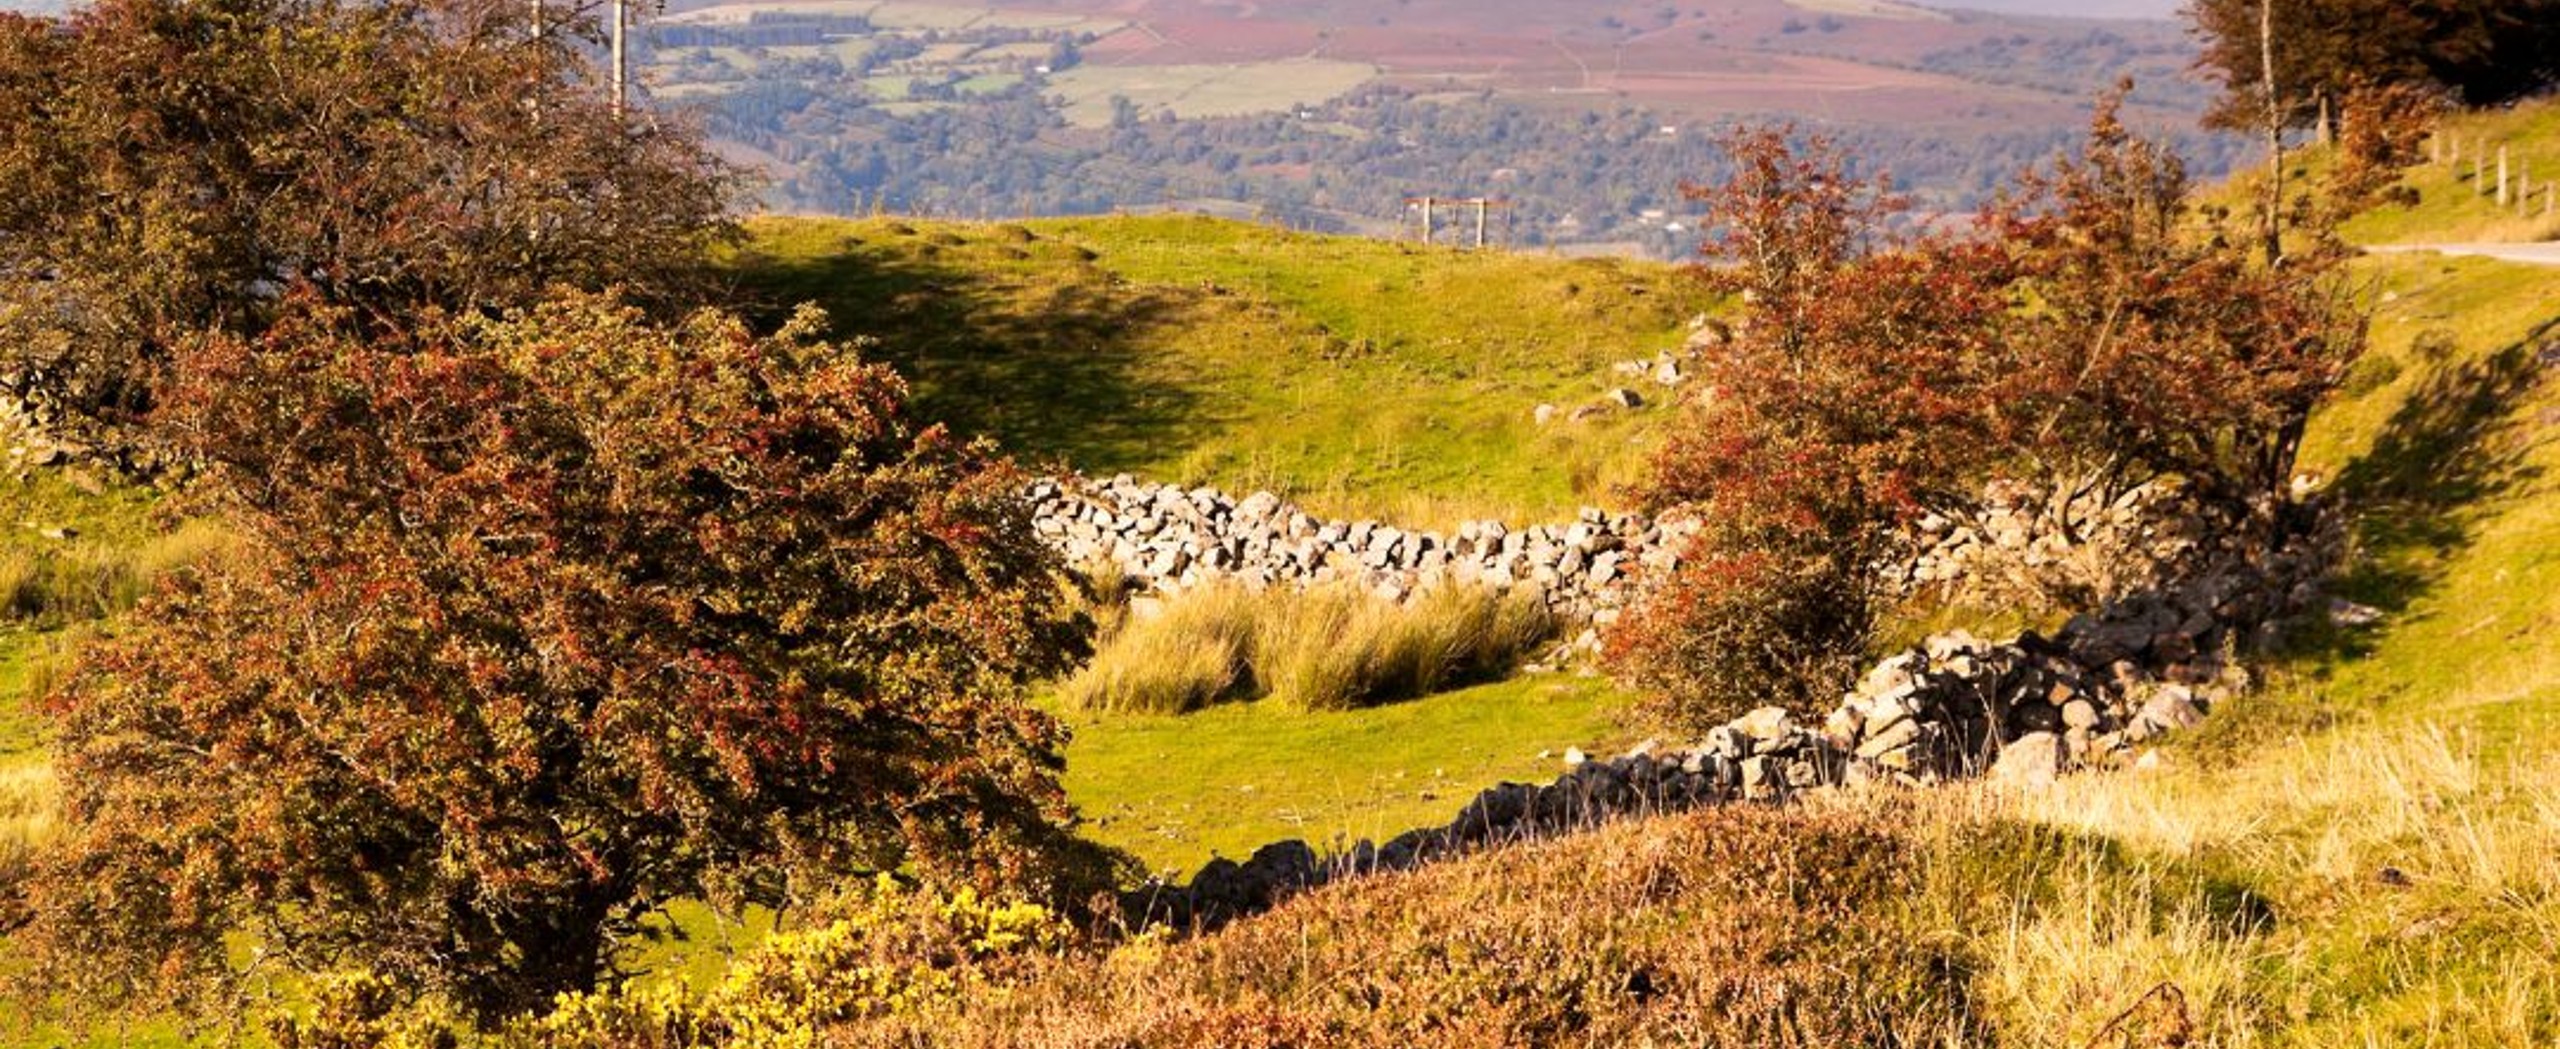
column 1582, row 119
column 1578, row 121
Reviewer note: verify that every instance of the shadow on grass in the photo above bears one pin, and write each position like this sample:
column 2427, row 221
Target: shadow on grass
column 2438, row 458
column 1048, row 365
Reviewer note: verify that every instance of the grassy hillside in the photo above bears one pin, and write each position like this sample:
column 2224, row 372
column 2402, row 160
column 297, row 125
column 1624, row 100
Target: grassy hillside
column 2365, row 852
column 1358, row 376
column 2452, row 207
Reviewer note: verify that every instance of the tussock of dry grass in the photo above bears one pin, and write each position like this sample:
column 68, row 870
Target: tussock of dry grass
column 1327, row 648
column 81, row 580
column 26, row 813
column 2381, row 885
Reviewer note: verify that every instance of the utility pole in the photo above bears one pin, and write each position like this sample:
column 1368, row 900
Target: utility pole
column 621, row 56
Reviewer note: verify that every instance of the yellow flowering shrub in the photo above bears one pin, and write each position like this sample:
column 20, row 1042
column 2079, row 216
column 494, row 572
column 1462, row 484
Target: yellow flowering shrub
column 891, row 951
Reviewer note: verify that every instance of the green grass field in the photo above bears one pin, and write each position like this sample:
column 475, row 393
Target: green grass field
column 1360, row 377
column 1177, row 789
column 2453, row 208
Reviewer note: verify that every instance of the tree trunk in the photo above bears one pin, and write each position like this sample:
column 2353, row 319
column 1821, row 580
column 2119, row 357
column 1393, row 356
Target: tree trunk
column 2271, row 228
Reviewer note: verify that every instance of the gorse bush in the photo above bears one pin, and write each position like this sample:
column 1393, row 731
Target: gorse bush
column 881, row 950
column 1325, row 648
column 891, row 952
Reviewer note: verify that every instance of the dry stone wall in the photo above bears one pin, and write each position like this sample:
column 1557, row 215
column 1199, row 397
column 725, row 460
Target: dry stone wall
column 2022, row 711
column 1168, row 538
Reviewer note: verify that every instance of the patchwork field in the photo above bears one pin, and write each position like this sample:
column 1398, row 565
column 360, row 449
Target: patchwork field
column 1198, row 91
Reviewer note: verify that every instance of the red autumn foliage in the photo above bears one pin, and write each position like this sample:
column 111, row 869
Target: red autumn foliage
column 2087, row 333
column 539, row 624
column 167, row 166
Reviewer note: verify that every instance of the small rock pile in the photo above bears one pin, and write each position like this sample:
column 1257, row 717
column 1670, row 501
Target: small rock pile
column 2022, row 711
column 1170, row 538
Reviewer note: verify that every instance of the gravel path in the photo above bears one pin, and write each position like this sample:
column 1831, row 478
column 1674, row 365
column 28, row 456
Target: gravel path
column 2539, row 254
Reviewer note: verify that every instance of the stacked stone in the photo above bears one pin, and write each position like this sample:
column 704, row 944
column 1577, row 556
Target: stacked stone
column 38, row 433
column 2035, row 707
column 1169, row 538
column 2025, row 540
column 2023, row 711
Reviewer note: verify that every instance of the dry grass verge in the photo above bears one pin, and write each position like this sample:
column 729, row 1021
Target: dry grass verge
column 82, row 580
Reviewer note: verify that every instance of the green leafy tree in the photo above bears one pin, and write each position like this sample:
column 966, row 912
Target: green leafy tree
column 170, row 166
column 540, row 623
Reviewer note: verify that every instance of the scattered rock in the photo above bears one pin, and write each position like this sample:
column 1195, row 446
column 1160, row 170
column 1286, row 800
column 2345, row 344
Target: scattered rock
column 2032, row 760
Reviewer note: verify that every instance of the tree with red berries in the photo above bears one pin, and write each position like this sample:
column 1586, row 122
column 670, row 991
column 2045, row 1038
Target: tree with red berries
column 2088, row 333
column 538, row 624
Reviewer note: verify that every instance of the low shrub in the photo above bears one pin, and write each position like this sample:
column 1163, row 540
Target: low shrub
column 1326, row 648
column 890, row 951
column 1732, row 927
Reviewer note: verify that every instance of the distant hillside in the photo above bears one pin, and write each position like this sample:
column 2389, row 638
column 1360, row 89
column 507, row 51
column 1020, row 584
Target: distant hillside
column 2155, row 9
column 1585, row 116
column 1362, row 377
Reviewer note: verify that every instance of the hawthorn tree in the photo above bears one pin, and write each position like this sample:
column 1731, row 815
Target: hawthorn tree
column 2091, row 332
column 169, row 167
column 537, row 624
column 1847, row 401
column 2156, row 347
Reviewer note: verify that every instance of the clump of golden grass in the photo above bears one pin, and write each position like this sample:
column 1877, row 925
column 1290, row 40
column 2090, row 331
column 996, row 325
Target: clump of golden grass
column 27, row 813
column 1191, row 655
column 1325, row 648
column 81, row 580
column 2374, row 885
